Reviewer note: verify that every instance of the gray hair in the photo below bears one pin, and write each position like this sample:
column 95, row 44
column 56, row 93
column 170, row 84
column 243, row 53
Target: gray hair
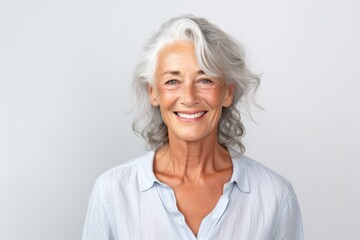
column 218, row 55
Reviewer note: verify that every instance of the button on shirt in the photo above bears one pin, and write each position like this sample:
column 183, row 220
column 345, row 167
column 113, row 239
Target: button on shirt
column 129, row 202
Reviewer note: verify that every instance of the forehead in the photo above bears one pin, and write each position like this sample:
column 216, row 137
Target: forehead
column 177, row 47
column 176, row 54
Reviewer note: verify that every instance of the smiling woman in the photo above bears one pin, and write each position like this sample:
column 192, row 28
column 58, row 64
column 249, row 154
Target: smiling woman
column 195, row 183
column 217, row 55
column 190, row 101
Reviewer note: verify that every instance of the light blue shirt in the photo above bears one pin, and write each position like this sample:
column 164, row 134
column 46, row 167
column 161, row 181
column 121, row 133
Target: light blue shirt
column 128, row 202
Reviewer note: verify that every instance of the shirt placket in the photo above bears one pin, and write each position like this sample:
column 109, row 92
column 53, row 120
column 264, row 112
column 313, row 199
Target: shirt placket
column 209, row 223
column 168, row 199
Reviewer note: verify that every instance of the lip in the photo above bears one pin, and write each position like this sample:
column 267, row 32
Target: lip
column 190, row 116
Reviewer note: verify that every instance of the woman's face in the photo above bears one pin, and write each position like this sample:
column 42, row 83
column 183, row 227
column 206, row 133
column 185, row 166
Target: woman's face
column 190, row 101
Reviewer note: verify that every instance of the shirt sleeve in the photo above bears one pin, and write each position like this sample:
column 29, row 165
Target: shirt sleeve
column 97, row 224
column 289, row 224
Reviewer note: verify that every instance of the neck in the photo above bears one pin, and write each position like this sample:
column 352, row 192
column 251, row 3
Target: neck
column 192, row 160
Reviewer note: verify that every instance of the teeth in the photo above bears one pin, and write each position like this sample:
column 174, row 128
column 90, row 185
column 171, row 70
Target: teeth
column 190, row 116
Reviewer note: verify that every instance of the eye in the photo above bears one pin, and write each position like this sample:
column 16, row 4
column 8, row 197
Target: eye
column 206, row 81
column 171, row 82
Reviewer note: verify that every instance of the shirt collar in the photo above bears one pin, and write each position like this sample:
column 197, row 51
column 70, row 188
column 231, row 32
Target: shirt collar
column 240, row 173
column 147, row 177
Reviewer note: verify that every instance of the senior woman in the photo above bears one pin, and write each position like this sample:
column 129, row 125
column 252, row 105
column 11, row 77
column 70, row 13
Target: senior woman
column 195, row 183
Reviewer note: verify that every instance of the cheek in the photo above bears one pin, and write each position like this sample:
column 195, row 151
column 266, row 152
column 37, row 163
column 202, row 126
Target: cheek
column 214, row 98
column 166, row 98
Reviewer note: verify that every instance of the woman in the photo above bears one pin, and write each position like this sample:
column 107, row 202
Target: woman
column 195, row 183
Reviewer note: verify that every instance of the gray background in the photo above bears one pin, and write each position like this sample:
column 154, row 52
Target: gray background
column 65, row 69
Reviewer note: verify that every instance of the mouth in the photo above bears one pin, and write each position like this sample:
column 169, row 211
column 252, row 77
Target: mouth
column 190, row 115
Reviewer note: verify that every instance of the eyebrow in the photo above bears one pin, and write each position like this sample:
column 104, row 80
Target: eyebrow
column 178, row 72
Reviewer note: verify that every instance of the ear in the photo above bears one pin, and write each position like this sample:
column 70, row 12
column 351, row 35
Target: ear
column 153, row 96
column 229, row 95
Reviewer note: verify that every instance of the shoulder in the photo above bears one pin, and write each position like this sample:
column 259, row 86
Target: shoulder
column 258, row 170
column 262, row 178
column 125, row 174
column 274, row 195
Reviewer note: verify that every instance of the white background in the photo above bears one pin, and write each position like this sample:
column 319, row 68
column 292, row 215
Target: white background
column 65, row 69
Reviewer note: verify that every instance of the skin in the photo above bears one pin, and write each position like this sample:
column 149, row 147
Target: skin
column 194, row 164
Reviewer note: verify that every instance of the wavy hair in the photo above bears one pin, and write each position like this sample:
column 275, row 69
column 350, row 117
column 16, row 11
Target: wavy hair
column 218, row 55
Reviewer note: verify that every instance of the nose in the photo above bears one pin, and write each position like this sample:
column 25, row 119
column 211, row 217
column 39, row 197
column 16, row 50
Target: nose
column 189, row 95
